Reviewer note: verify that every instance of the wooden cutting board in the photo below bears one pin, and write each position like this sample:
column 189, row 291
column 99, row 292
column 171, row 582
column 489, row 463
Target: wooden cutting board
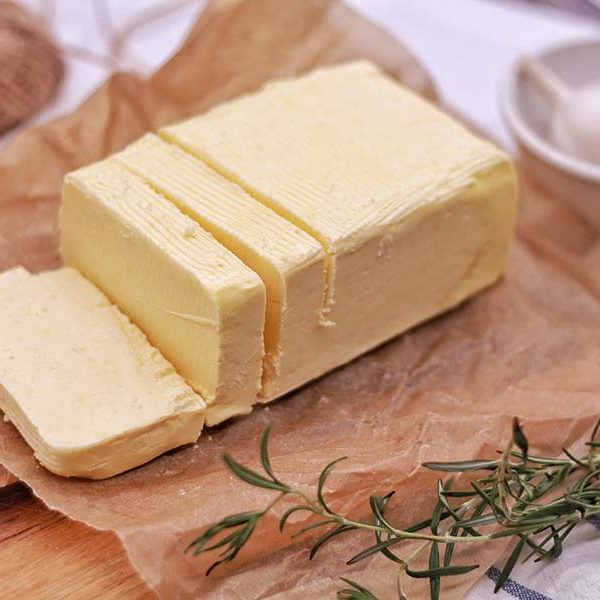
column 46, row 556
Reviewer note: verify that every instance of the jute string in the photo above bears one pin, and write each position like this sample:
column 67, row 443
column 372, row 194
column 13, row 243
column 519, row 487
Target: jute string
column 31, row 66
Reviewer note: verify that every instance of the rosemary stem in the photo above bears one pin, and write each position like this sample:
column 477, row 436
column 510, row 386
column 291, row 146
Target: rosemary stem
column 533, row 500
column 398, row 533
column 276, row 500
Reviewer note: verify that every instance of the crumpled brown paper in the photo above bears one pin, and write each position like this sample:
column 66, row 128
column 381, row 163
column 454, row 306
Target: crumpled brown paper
column 447, row 390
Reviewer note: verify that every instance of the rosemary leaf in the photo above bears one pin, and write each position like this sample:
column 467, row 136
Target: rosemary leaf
column 322, row 479
column 462, row 466
column 372, row 550
column 294, row 509
column 434, row 565
column 510, row 564
column 574, row 459
column 378, row 506
column 322, row 540
column 519, row 438
column 251, row 477
column 314, row 526
column 264, row 456
column 355, row 592
column 423, row 524
column 441, row 571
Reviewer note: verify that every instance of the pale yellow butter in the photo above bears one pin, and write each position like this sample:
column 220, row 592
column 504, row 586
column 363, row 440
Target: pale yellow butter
column 196, row 302
column 81, row 383
column 290, row 262
column 415, row 214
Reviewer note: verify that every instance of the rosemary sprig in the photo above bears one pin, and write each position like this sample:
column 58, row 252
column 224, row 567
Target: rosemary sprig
column 534, row 500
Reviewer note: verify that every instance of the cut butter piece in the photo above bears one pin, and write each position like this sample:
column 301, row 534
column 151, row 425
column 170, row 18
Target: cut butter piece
column 81, row 383
column 196, row 302
column 290, row 262
column 415, row 214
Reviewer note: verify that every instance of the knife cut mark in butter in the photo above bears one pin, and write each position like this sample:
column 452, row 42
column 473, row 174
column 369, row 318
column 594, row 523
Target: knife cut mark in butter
column 289, row 261
column 127, row 239
column 81, row 383
column 194, row 319
column 415, row 213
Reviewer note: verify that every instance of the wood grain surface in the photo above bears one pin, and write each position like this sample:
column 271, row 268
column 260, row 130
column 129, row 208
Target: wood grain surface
column 46, row 556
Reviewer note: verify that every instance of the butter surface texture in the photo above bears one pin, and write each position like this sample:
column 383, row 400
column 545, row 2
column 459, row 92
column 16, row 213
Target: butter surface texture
column 81, row 383
column 196, row 301
column 290, row 262
column 414, row 213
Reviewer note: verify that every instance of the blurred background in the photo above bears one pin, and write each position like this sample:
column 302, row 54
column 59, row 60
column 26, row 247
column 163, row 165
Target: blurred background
column 97, row 37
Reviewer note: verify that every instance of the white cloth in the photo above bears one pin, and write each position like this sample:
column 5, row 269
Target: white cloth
column 573, row 576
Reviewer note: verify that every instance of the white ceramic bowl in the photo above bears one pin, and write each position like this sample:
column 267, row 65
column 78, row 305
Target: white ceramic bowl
column 527, row 116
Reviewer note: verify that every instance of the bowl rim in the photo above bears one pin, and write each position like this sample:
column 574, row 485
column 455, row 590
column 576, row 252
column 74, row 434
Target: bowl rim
column 520, row 129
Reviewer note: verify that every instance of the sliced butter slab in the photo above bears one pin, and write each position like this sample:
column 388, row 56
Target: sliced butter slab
column 81, row 383
column 290, row 262
column 196, row 302
column 414, row 212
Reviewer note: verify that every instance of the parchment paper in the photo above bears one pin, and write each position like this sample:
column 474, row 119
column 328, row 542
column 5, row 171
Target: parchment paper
column 447, row 390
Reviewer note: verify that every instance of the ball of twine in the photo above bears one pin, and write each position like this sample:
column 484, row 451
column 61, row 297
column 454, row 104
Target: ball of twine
column 31, row 66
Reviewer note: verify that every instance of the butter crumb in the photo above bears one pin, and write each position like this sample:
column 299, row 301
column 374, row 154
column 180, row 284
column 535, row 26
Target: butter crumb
column 127, row 232
column 384, row 244
column 326, row 322
column 190, row 230
column 322, row 317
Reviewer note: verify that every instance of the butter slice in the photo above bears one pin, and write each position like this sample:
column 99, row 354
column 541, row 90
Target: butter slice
column 80, row 381
column 290, row 262
column 196, row 302
column 414, row 213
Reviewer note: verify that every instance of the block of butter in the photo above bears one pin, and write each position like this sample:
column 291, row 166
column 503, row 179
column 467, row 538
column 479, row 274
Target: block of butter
column 290, row 262
column 284, row 233
column 194, row 299
column 81, row 383
column 413, row 212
